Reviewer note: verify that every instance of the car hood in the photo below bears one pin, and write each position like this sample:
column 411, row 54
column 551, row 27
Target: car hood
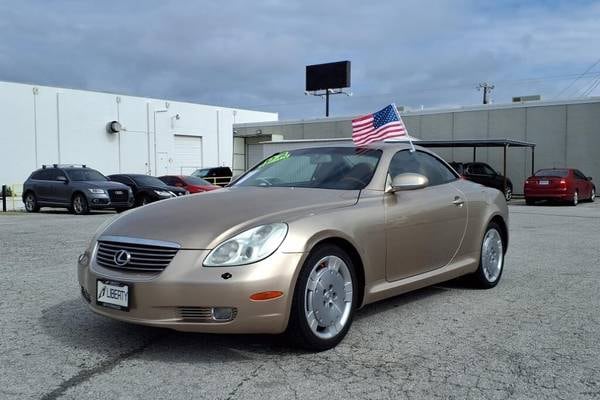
column 106, row 185
column 202, row 221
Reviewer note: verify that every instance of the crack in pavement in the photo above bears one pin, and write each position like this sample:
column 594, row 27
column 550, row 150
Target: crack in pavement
column 252, row 374
column 105, row 366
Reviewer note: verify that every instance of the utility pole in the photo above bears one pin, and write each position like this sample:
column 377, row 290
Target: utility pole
column 487, row 90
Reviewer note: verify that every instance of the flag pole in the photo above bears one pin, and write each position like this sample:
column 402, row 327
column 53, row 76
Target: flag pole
column 412, row 146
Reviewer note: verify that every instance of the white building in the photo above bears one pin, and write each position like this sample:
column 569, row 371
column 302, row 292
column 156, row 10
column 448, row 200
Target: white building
column 47, row 125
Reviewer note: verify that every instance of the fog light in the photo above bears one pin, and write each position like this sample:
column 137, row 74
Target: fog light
column 222, row 313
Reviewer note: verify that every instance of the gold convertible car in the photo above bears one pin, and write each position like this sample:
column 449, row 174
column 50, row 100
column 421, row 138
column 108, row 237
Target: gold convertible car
column 297, row 244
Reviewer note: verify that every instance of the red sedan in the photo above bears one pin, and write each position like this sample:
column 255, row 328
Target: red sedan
column 565, row 184
column 192, row 184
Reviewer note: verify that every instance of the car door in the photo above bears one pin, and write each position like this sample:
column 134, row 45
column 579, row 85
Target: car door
column 583, row 186
column 62, row 190
column 424, row 227
column 39, row 185
column 476, row 173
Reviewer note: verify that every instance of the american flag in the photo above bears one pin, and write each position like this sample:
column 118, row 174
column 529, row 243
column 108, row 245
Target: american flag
column 383, row 124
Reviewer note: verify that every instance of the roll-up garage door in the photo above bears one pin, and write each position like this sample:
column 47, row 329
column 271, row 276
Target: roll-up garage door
column 188, row 154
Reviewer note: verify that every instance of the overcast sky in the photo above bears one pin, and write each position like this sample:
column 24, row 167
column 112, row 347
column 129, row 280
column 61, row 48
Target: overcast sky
column 252, row 54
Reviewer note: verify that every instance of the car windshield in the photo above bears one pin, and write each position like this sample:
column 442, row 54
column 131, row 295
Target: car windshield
column 85, row 174
column 201, row 173
column 194, row 180
column 145, row 180
column 553, row 172
column 345, row 168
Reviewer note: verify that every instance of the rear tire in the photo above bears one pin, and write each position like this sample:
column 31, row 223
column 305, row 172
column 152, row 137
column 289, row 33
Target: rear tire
column 31, row 204
column 491, row 259
column 80, row 205
column 575, row 199
column 324, row 299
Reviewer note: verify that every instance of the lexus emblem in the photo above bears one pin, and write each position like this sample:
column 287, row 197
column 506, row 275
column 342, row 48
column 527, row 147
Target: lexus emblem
column 122, row 257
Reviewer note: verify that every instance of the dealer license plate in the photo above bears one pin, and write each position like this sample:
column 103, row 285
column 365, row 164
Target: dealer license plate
column 544, row 182
column 112, row 294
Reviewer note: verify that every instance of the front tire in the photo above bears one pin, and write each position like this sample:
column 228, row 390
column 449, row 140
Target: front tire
column 593, row 195
column 31, row 204
column 491, row 260
column 324, row 300
column 529, row 202
column 508, row 193
column 80, row 205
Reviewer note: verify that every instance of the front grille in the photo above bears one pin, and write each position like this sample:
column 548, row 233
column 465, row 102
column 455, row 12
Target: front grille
column 116, row 197
column 142, row 257
column 201, row 314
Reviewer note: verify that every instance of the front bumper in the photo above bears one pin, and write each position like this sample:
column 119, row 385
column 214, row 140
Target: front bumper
column 102, row 201
column 158, row 300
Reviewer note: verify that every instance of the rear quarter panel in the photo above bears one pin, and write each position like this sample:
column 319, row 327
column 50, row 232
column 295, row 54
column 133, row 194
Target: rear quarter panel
column 484, row 204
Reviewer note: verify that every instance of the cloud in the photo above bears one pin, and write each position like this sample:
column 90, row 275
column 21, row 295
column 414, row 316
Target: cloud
column 252, row 54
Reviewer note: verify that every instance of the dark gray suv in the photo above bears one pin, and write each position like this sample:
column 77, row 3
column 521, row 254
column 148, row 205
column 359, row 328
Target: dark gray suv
column 80, row 189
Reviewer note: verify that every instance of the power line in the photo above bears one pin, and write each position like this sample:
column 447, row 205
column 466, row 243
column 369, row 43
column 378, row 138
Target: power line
column 579, row 77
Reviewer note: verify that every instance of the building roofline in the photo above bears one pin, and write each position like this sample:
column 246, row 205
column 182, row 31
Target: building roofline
column 151, row 99
column 447, row 110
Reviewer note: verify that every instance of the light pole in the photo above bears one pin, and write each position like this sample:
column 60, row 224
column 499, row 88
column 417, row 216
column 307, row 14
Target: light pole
column 154, row 117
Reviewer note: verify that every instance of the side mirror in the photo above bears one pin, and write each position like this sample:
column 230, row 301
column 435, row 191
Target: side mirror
column 62, row 179
column 589, row 178
column 408, row 181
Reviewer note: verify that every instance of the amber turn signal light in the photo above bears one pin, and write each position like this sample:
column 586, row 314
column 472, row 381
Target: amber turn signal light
column 270, row 295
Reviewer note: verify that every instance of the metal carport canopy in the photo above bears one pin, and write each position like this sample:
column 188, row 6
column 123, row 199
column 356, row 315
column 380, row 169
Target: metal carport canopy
column 475, row 143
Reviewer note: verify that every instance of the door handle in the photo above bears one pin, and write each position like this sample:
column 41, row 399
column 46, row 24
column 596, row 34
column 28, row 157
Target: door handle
column 458, row 201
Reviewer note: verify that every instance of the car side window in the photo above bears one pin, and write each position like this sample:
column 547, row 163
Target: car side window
column 487, row 170
column 421, row 163
column 580, row 175
column 38, row 175
column 53, row 174
column 476, row 169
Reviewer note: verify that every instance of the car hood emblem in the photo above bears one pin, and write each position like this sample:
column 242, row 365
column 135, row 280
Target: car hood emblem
column 122, row 257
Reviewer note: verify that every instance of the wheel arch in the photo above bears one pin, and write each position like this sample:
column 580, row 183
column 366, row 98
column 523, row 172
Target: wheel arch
column 354, row 255
column 499, row 220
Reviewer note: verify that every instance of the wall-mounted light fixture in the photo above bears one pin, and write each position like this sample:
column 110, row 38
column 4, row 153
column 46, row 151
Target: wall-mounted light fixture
column 113, row 127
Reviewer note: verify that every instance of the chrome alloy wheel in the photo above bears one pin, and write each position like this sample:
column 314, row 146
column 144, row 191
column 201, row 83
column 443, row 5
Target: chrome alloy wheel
column 575, row 198
column 492, row 255
column 30, row 202
column 78, row 204
column 328, row 297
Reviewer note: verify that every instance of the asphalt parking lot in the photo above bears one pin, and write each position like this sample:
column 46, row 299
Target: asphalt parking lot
column 536, row 335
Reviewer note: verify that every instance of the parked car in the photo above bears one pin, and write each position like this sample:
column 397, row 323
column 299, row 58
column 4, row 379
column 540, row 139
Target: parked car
column 147, row 189
column 485, row 175
column 564, row 184
column 298, row 243
column 78, row 188
column 192, row 184
column 218, row 175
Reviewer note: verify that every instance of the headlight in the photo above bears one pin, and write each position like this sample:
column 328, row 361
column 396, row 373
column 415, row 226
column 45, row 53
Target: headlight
column 97, row 191
column 163, row 193
column 248, row 247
